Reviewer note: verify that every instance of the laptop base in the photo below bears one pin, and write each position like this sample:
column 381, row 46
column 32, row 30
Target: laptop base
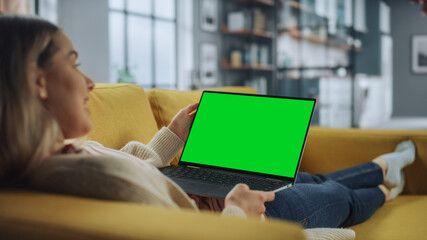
column 209, row 188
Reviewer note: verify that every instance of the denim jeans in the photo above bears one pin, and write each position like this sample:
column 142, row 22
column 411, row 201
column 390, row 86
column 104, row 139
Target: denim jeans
column 339, row 199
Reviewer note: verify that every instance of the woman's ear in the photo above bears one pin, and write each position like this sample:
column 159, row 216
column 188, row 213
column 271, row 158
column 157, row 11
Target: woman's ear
column 37, row 78
column 41, row 84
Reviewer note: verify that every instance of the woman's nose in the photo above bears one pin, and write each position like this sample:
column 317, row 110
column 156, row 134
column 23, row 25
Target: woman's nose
column 90, row 83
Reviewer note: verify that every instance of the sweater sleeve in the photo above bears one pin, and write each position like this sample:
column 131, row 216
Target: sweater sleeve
column 233, row 211
column 159, row 151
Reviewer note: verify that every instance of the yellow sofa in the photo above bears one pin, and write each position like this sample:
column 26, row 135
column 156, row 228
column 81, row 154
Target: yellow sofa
column 122, row 113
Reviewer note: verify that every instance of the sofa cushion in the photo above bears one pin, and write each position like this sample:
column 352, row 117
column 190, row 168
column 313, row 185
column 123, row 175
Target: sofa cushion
column 401, row 218
column 33, row 215
column 166, row 103
column 120, row 113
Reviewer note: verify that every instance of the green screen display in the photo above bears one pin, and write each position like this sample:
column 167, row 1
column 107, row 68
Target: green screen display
column 248, row 132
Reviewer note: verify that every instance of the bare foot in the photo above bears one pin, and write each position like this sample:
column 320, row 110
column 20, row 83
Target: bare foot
column 383, row 164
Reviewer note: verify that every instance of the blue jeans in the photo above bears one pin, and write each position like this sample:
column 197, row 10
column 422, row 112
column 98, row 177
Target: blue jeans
column 339, row 199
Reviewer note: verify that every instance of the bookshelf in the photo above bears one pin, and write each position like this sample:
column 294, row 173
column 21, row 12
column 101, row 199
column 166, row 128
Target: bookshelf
column 248, row 44
column 315, row 57
column 269, row 3
column 289, row 48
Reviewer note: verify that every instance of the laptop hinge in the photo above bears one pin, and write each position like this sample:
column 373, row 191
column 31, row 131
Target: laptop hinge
column 193, row 167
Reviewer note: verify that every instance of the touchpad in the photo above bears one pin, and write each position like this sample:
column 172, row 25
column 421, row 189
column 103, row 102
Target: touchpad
column 202, row 188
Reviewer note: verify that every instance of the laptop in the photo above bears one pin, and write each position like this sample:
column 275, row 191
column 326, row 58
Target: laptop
column 243, row 138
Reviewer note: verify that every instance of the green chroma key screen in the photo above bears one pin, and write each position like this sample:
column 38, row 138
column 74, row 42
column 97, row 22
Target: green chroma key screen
column 249, row 132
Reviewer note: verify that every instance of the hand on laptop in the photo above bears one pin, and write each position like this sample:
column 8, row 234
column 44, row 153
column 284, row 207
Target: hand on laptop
column 251, row 202
column 181, row 122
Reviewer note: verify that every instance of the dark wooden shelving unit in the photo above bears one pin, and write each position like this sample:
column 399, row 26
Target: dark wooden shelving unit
column 268, row 3
column 301, row 23
column 313, row 68
column 251, row 70
column 226, row 65
column 247, row 33
column 296, row 34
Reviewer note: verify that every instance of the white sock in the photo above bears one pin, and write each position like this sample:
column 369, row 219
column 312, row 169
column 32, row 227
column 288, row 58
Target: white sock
column 396, row 161
column 396, row 191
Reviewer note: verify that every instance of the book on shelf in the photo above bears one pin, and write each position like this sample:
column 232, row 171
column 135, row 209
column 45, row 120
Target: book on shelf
column 260, row 21
column 263, row 55
column 250, row 55
column 254, row 54
column 236, row 58
column 238, row 20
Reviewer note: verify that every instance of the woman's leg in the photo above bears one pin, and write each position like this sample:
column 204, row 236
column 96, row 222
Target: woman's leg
column 367, row 175
column 361, row 176
column 343, row 198
column 327, row 204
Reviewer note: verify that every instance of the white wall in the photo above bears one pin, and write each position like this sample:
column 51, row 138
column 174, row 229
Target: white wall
column 48, row 9
column 409, row 89
column 86, row 23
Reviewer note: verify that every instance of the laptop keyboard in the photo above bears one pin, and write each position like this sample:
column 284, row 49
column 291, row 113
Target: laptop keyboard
column 224, row 179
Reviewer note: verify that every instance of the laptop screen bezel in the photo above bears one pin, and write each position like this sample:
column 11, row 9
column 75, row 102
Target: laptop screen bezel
column 292, row 179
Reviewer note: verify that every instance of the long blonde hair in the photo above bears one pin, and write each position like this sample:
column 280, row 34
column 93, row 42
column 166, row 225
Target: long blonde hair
column 28, row 131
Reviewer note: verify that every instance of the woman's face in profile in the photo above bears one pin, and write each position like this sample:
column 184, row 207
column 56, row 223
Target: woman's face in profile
column 68, row 90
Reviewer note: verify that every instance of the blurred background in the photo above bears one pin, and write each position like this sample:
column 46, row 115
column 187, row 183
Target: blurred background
column 364, row 60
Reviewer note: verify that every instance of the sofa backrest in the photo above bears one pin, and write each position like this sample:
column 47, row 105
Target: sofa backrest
column 166, row 103
column 120, row 113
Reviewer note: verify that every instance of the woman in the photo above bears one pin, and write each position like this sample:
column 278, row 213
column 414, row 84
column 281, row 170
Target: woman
column 43, row 98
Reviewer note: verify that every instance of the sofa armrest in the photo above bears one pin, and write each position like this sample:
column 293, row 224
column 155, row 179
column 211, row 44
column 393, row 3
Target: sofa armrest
column 328, row 150
column 33, row 215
